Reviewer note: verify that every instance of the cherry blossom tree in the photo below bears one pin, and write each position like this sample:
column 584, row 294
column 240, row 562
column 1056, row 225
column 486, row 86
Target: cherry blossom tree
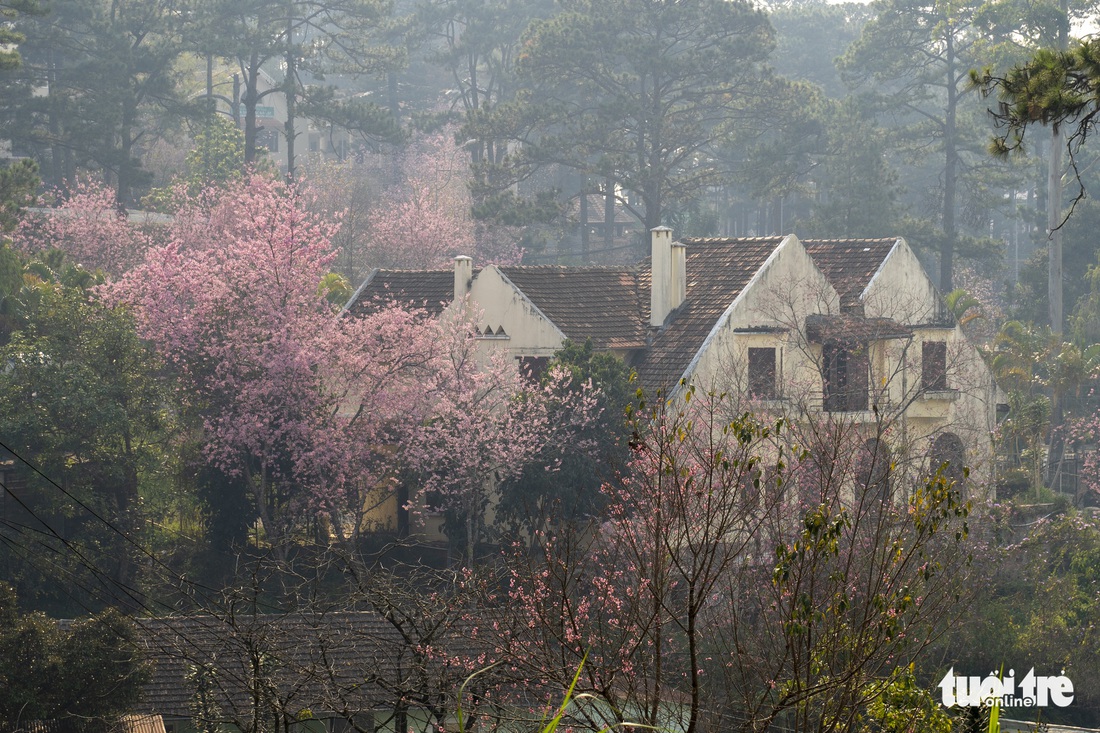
column 427, row 219
column 232, row 301
column 487, row 424
column 717, row 594
column 89, row 227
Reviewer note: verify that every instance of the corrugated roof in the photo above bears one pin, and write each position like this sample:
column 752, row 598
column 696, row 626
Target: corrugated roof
column 717, row 272
column 598, row 303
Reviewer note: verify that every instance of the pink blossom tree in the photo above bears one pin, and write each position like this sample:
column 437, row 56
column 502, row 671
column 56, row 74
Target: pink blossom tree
column 487, row 424
column 89, row 227
column 426, row 220
column 290, row 396
column 710, row 588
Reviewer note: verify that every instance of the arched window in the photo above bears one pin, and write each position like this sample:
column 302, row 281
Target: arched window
column 873, row 469
column 948, row 451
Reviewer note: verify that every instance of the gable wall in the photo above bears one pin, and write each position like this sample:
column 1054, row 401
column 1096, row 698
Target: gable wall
column 788, row 288
column 903, row 291
column 530, row 333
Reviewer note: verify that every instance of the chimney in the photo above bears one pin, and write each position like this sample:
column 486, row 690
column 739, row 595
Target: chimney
column 668, row 276
column 679, row 275
column 464, row 276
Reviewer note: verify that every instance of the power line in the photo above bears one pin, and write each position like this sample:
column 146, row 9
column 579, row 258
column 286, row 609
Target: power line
column 143, row 550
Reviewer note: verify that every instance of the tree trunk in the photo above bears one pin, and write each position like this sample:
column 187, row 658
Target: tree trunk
column 250, row 100
column 950, row 171
column 1054, row 273
column 582, row 215
column 609, row 214
column 290, row 91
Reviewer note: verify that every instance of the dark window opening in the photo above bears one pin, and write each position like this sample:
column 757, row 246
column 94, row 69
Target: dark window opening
column 532, row 367
column 948, row 454
column 844, row 377
column 762, row 373
column 873, row 474
column 933, row 373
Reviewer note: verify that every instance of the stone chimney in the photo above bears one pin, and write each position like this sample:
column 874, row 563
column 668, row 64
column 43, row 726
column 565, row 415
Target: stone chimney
column 464, row 277
column 668, row 281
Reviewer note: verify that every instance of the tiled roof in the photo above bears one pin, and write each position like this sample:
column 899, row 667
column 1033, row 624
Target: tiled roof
column 849, row 264
column 317, row 660
column 604, row 304
column 822, row 328
column 431, row 290
column 610, row 305
column 717, row 271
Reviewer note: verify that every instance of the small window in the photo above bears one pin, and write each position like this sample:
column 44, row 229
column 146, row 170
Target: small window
column 532, row 367
column 933, row 373
column 948, row 454
column 762, row 373
column 844, row 377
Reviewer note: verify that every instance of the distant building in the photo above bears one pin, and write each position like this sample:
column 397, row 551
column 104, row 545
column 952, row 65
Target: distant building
column 850, row 330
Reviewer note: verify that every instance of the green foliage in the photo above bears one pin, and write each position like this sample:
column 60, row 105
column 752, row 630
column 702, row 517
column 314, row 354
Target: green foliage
column 857, row 189
column 1053, row 87
column 216, row 158
column 902, row 705
column 811, row 36
column 112, row 85
column 637, row 92
column 336, row 288
column 10, row 38
column 963, row 306
column 371, row 123
column 217, row 155
column 1037, row 608
column 89, row 673
column 80, row 399
column 911, row 59
column 537, row 497
column 18, row 182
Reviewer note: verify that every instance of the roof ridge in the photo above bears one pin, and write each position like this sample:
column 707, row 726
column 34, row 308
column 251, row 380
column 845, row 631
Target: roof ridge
column 416, row 271
column 733, row 240
column 875, row 240
column 571, row 268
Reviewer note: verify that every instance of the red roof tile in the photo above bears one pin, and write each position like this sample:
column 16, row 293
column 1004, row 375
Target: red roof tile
column 432, row 290
column 849, row 264
column 598, row 303
column 717, row 272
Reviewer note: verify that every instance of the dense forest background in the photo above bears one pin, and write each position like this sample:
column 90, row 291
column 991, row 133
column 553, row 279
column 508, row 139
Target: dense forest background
column 164, row 453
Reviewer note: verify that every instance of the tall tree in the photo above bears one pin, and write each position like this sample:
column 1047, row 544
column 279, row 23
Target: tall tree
column 478, row 44
column 295, row 404
column 639, row 93
column 82, row 401
column 919, row 54
column 97, row 83
column 300, row 35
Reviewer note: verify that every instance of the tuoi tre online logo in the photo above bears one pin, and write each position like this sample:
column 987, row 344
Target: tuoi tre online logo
column 1031, row 691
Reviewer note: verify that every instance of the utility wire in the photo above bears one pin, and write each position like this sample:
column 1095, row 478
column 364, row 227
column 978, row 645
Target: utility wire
column 143, row 550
